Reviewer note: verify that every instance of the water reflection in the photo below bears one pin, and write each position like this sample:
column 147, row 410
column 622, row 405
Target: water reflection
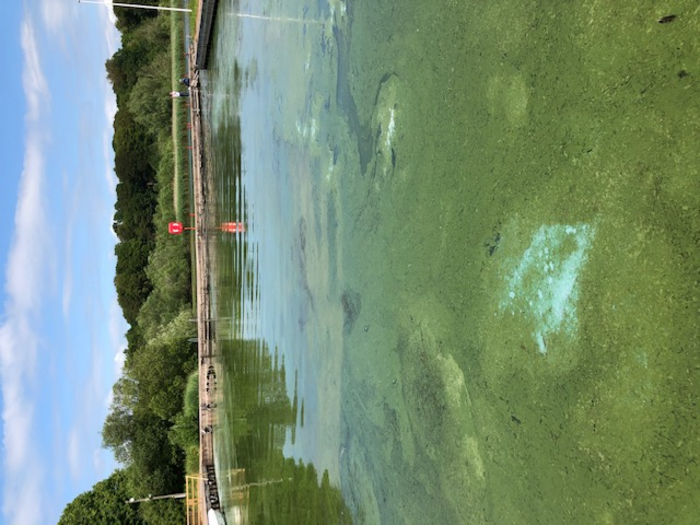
column 258, row 413
column 257, row 482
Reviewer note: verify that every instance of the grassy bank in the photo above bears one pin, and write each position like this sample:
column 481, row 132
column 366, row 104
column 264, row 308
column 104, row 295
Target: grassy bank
column 180, row 113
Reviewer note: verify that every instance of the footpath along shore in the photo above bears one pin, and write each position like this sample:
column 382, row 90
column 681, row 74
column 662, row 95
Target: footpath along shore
column 209, row 503
column 208, row 490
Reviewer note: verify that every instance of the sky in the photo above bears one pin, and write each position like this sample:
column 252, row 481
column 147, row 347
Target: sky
column 61, row 329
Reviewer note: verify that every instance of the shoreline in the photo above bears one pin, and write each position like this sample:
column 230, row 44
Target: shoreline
column 208, row 493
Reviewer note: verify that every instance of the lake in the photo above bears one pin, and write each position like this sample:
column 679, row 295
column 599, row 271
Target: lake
column 468, row 286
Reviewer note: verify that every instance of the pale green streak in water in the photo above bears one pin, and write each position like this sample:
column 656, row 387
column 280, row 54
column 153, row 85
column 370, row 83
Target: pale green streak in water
column 476, row 133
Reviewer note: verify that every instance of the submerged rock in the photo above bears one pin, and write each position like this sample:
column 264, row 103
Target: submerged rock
column 384, row 125
column 352, row 304
column 439, row 406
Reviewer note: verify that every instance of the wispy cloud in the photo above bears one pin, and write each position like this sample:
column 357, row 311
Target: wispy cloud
column 74, row 453
column 24, row 281
column 60, row 232
column 35, row 87
column 55, row 15
column 67, row 275
column 112, row 36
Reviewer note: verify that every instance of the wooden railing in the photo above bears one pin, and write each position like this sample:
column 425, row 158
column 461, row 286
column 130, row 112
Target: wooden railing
column 193, row 485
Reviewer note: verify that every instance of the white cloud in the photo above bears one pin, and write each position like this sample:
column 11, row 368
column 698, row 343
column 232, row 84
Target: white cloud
column 117, row 329
column 24, row 282
column 98, row 460
column 27, row 510
column 67, row 276
column 30, row 266
column 112, row 36
column 74, row 453
column 18, row 410
column 55, row 14
column 35, row 86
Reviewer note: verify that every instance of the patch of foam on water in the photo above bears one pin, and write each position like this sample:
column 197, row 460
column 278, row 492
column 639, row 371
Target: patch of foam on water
column 331, row 168
column 339, row 6
column 544, row 284
column 308, row 130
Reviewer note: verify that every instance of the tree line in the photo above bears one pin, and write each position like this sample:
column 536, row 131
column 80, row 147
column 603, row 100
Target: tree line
column 153, row 283
column 152, row 425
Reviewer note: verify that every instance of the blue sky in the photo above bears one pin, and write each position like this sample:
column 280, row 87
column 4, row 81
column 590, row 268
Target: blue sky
column 61, row 330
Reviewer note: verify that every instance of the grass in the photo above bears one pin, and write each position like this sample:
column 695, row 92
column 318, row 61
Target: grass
column 182, row 201
column 191, row 409
column 194, row 6
column 180, row 132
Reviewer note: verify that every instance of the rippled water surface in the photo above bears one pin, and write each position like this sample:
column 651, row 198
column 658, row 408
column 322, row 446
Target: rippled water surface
column 468, row 287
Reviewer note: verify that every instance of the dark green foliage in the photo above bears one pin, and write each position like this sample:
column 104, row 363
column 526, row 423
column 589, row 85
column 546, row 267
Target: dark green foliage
column 129, row 19
column 135, row 206
column 156, row 463
column 146, row 400
column 149, row 101
column 185, row 431
column 164, row 512
column 133, row 218
column 134, row 339
column 161, row 368
column 133, row 286
column 169, row 271
column 134, row 149
column 104, row 504
column 139, row 440
column 141, row 66
column 123, row 67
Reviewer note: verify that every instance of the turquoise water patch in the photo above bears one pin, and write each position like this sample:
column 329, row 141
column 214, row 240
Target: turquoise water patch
column 543, row 285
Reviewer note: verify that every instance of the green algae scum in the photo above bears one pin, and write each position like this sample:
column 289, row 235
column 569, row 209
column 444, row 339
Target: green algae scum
column 468, row 290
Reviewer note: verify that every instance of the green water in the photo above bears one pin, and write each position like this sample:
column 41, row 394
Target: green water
column 473, row 240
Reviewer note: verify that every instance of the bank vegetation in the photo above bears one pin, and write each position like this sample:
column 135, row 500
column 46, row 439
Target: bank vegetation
column 149, row 427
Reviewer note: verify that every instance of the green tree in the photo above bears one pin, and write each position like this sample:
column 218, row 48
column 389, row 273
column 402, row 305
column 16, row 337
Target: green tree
column 152, row 275
column 118, row 431
column 130, row 280
column 129, row 19
column 123, row 67
column 157, row 467
column 135, row 152
column 163, row 512
column 134, row 216
column 149, row 102
column 185, row 432
column 161, row 368
column 104, row 504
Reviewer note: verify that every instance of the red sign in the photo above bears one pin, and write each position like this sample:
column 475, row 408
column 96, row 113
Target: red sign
column 175, row 228
column 232, row 227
